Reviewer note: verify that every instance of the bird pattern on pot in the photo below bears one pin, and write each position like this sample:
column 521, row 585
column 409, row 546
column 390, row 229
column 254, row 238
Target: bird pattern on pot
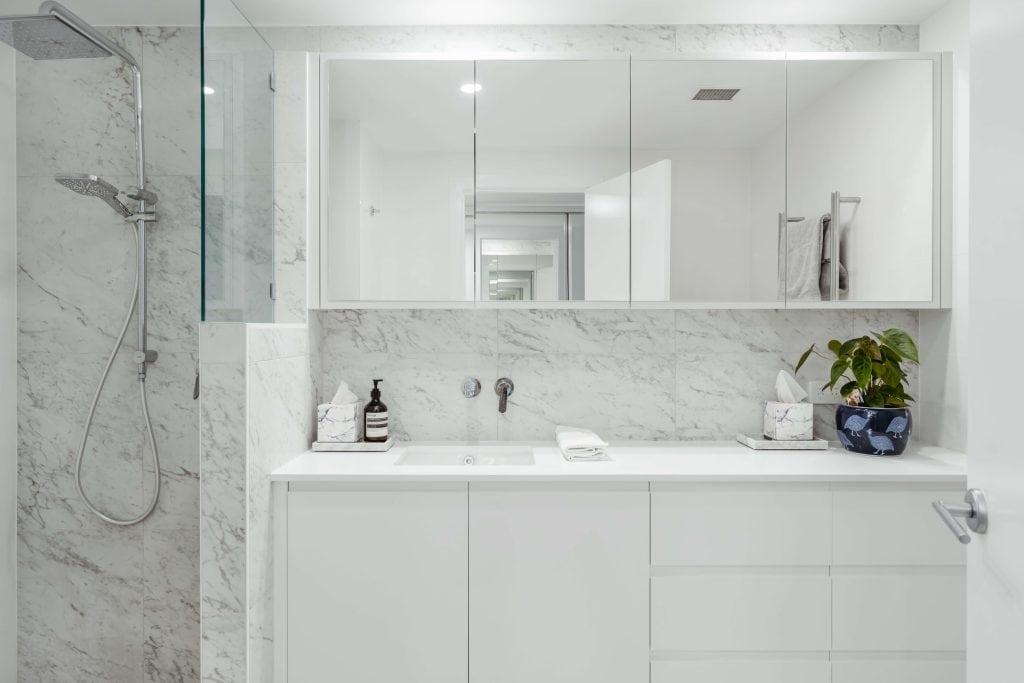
column 854, row 424
column 873, row 431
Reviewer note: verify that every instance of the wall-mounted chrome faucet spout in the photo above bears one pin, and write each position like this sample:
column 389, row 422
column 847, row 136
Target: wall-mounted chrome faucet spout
column 503, row 388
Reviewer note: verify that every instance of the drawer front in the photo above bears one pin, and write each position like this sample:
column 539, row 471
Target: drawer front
column 710, row 525
column 742, row 671
column 893, row 527
column 745, row 611
column 909, row 611
column 900, row 671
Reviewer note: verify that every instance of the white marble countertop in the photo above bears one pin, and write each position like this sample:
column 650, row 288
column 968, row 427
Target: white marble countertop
column 637, row 461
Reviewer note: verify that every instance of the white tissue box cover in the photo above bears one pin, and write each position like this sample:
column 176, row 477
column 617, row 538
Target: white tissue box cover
column 337, row 423
column 789, row 421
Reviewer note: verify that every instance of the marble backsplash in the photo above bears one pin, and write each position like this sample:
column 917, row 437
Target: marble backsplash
column 628, row 374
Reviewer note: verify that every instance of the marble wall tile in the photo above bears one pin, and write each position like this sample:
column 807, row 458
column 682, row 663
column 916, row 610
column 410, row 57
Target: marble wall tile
column 85, row 613
column 171, row 89
column 409, row 331
column 290, row 265
column 634, row 39
column 280, row 416
column 290, row 107
column 585, row 331
column 170, row 605
column 735, row 331
column 80, row 606
column 223, row 500
column 623, row 396
column 795, row 38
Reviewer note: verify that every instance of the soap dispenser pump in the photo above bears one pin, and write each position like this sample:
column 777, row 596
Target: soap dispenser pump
column 375, row 417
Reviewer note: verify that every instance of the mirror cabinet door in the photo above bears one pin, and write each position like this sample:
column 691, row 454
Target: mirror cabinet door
column 708, row 180
column 861, row 179
column 399, row 172
column 552, row 187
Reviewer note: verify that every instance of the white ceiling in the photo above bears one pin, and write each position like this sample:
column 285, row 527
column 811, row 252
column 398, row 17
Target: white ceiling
column 440, row 12
column 416, row 106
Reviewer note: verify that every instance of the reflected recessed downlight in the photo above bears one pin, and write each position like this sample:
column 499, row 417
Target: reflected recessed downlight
column 207, row 90
column 471, row 88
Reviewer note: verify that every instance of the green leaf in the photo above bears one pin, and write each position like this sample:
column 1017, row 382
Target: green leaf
column 847, row 347
column 861, row 366
column 803, row 359
column 901, row 342
column 834, row 346
column 838, row 368
column 847, row 388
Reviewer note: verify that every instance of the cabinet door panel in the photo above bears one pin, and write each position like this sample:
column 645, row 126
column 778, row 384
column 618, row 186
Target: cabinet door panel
column 377, row 586
column 559, row 585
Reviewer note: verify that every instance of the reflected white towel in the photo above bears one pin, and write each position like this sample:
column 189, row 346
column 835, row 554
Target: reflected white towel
column 577, row 443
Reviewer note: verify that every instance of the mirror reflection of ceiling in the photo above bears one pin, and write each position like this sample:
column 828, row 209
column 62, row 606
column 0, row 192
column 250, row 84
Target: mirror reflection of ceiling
column 445, row 12
column 416, row 106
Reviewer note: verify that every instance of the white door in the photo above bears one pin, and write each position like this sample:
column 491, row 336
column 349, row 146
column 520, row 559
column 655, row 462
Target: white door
column 995, row 560
column 650, row 232
column 606, row 248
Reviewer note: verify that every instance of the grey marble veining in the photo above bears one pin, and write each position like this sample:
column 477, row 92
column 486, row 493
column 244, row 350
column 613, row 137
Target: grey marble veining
column 606, row 39
column 631, row 374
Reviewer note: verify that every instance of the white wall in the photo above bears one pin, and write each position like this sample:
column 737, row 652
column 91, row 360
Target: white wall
column 943, row 405
column 9, row 363
column 864, row 137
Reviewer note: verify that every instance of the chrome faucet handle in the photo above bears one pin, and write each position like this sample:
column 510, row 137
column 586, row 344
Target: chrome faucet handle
column 503, row 388
column 974, row 510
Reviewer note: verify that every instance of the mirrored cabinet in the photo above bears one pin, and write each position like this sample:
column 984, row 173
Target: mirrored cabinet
column 806, row 181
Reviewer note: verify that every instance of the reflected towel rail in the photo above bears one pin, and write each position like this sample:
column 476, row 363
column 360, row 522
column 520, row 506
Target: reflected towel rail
column 837, row 201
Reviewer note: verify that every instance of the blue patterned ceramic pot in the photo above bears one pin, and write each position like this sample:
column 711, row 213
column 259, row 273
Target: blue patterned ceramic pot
column 874, row 431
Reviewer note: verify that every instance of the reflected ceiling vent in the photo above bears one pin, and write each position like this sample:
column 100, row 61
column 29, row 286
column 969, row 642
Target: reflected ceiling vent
column 716, row 93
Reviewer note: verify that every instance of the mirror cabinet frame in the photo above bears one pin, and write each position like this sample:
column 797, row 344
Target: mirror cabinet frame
column 318, row 169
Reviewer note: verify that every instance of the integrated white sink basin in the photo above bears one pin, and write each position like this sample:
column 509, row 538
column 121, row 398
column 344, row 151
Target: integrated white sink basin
column 465, row 456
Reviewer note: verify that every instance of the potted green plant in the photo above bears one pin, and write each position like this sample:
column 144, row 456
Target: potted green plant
column 874, row 417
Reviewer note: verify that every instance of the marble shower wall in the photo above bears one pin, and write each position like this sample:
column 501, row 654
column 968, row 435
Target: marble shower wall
column 257, row 413
column 98, row 602
column 628, row 374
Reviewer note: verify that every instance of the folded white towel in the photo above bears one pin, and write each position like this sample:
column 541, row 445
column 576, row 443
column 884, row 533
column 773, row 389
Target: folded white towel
column 577, row 443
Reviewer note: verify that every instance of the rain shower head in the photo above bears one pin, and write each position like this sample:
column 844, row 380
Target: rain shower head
column 44, row 36
column 94, row 186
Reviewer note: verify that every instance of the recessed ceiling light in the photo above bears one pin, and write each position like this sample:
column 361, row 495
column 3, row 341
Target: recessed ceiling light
column 207, row 90
column 471, row 88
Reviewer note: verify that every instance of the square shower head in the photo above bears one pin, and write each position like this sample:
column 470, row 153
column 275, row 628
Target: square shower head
column 42, row 36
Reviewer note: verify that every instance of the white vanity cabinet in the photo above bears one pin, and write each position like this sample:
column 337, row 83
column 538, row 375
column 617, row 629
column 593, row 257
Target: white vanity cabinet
column 558, row 583
column 725, row 579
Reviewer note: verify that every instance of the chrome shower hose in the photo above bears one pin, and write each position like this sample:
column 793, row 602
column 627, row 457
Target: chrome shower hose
column 145, row 416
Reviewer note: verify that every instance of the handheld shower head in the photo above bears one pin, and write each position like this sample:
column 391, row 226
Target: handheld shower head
column 94, row 186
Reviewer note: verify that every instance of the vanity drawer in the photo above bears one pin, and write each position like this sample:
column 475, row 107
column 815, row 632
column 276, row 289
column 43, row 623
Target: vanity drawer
column 899, row 609
column 715, row 525
column 899, row 671
column 889, row 526
column 740, row 611
column 776, row 669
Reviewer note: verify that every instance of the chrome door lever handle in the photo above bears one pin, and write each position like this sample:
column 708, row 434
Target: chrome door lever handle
column 974, row 510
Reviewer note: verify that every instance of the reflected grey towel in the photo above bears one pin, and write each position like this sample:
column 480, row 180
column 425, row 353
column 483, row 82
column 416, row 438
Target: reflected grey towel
column 800, row 254
column 825, row 281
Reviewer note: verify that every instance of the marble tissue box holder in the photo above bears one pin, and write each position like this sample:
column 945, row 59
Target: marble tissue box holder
column 337, row 423
column 788, row 421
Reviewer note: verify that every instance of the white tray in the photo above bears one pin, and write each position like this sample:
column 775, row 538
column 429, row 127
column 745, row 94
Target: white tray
column 354, row 447
column 763, row 444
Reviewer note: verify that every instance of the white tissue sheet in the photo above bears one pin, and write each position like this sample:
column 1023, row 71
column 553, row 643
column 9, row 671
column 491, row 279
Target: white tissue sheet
column 577, row 443
column 344, row 395
column 787, row 389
